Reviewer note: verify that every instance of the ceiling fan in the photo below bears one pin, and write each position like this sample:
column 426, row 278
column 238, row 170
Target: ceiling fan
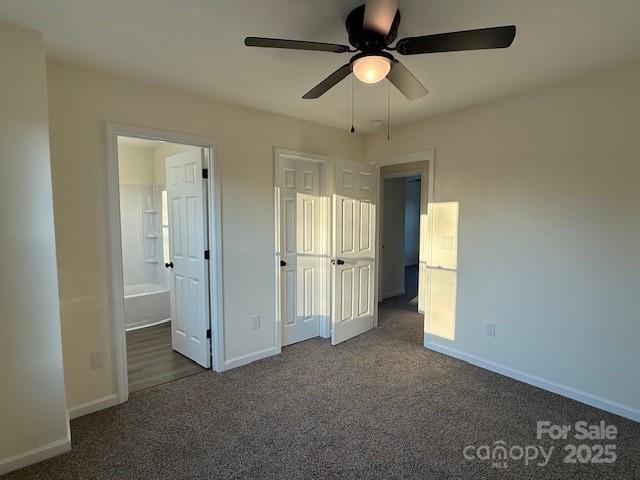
column 372, row 28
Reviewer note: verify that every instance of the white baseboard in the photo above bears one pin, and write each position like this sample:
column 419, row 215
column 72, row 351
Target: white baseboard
column 145, row 324
column 249, row 358
column 93, row 406
column 325, row 327
column 397, row 293
column 578, row 395
column 35, row 455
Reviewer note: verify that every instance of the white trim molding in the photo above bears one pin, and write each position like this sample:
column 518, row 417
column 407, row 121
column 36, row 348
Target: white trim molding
column 93, row 406
column 393, row 294
column 578, row 395
column 407, row 158
column 35, row 455
column 249, row 358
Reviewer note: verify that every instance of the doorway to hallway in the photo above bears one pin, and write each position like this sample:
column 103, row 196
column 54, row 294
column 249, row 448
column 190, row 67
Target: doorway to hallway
column 403, row 229
column 400, row 235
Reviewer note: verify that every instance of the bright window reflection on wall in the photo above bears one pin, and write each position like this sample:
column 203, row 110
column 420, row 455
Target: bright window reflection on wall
column 165, row 228
column 442, row 270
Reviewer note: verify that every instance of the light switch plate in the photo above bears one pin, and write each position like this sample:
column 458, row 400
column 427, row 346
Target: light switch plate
column 97, row 359
column 255, row 322
column 446, row 242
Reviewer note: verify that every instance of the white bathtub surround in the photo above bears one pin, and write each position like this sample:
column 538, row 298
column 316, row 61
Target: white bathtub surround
column 140, row 213
column 145, row 305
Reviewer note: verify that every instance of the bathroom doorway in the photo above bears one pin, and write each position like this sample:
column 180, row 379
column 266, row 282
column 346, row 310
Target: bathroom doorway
column 165, row 203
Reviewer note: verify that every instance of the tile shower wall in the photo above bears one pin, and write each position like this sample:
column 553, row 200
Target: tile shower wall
column 140, row 213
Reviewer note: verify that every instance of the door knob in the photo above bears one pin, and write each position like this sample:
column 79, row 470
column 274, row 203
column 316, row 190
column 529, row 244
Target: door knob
column 169, row 265
column 339, row 262
column 283, row 263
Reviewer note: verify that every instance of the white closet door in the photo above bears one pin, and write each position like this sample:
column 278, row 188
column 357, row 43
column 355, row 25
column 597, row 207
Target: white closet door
column 354, row 249
column 300, row 250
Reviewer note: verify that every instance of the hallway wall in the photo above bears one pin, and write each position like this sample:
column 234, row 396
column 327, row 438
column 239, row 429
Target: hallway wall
column 412, row 221
column 393, row 237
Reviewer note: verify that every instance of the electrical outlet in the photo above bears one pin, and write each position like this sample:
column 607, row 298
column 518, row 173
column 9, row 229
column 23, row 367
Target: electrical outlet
column 97, row 359
column 490, row 329
column 255, row 322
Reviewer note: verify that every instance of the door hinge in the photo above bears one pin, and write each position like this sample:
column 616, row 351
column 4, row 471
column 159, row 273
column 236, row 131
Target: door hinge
column 206, row 254
column 208, row 333
column 205, row 173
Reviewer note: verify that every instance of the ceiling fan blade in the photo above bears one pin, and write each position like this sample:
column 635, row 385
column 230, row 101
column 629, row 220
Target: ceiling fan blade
column 379, row 15
column 484, row 38
column 406, row 82
column 328, row 83
column 294, row 44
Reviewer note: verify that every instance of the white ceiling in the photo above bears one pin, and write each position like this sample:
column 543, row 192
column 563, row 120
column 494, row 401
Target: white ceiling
column 198, row 45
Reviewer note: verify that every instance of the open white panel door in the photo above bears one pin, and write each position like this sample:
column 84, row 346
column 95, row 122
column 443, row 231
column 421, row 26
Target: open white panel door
column 354, row 249
column 188, row 266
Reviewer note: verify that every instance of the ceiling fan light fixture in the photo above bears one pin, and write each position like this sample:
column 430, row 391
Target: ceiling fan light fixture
column 371, row 68
column 372, row 28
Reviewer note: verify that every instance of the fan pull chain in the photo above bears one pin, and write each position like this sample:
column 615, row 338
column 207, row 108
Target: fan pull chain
column 388, row 111
column 352, row 94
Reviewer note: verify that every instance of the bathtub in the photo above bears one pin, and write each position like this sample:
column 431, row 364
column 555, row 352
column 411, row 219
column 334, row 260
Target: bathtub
column 145, row 305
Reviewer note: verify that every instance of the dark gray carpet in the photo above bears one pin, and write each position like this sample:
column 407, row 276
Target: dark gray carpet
column 379, row 406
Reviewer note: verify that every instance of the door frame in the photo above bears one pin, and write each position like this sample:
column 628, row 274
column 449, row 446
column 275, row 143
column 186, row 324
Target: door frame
column 429, row 157
column 324, row 223
column 114, row 241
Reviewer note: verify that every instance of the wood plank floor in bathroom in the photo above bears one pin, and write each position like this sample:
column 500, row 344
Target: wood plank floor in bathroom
column 151, row 360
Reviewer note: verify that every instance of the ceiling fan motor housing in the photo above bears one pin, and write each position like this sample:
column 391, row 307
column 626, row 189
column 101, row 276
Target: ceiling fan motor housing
column 365, row 40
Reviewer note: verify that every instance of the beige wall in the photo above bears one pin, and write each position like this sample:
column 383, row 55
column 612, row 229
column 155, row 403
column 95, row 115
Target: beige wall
column 81, row 101
column 33, row 417
column 140, row 165
column 163, row 151
column 549, row 229
column 136, row 165
column 546, row 183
